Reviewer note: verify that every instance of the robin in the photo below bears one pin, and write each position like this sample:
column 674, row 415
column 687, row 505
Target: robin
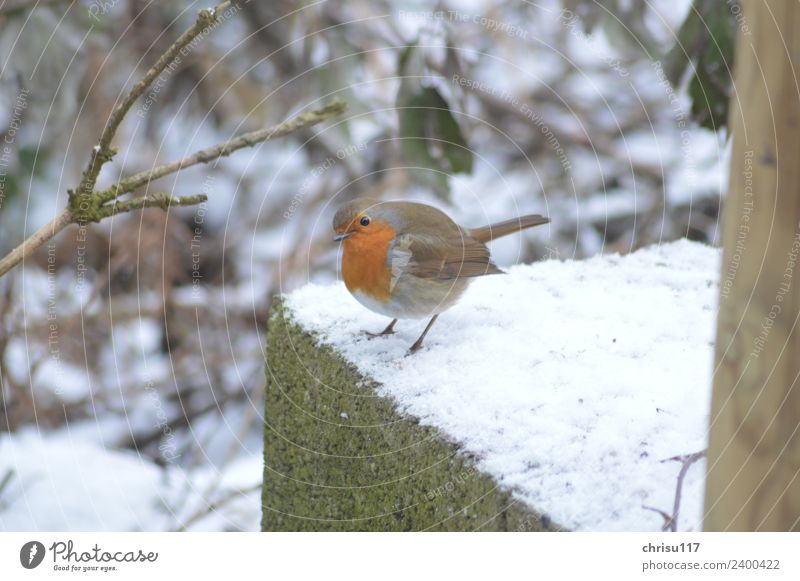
column 408, row 260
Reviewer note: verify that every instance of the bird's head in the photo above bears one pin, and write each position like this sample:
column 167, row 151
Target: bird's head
column 364, row 218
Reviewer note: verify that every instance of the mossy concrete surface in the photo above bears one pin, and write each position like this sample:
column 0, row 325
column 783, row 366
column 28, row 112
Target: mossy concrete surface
column 338, row 457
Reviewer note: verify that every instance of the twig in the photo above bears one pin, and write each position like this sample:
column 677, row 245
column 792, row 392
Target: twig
column 671, row 521
column 234, row 447
column 87, row 205
column 5, row 480
column 215, row 506
column 687, row 460
column 65, row 218
column 141, row 441
column 668, row 520
column 99, row 207
column 103, row 152
column 34, row 241
column 302, row 121
column 158, row 200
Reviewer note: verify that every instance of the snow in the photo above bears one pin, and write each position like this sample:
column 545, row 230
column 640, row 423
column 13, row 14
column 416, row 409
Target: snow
column 65, row 482
column 60, row 484
column 573, row 383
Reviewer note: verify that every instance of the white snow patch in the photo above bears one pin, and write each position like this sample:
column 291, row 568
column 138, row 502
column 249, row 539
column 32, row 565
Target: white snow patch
column 60, row 484
column 572, row 382
column 64, row 482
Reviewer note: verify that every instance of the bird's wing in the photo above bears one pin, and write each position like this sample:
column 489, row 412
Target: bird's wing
column 442, row 258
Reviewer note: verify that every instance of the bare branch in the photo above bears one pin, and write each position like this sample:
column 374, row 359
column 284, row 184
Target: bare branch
column 87, row 205
column 219, row 504
column 687, row 460
column 158, row 200
column 5, row 480
column 103, row 152
column 97, row 207
column 33, row 242
column 302, row 121
column 671, row 520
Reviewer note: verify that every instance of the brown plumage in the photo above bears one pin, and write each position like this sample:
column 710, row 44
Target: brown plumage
column 410, row 260
column 492, row 231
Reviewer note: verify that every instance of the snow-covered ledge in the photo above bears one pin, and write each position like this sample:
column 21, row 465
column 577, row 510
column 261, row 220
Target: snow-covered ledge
column 558, row 395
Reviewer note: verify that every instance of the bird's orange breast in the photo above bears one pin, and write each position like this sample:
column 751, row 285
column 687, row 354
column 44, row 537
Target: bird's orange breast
column 364, row 261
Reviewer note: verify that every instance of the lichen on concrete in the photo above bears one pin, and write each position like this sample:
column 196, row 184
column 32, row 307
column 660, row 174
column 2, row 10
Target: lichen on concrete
column 338, row 457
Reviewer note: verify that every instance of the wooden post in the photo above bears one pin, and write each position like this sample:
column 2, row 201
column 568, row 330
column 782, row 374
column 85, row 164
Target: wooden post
column 753, row 479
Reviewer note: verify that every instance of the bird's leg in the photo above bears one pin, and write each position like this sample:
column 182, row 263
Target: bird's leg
column 387, row 331
column 418, row 343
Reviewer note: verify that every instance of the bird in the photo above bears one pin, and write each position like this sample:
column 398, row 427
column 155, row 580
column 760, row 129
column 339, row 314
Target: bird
column 408, row 260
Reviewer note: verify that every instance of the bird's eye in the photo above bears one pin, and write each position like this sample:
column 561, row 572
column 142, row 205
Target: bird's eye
column 365, row 221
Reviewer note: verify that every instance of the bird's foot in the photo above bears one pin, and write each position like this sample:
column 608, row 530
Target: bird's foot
column 418, row 343
column 371, row 335
column 414, row 348
column 389, row 330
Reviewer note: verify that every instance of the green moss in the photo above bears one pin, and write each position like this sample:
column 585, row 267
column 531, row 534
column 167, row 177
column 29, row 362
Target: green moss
column 340, row 458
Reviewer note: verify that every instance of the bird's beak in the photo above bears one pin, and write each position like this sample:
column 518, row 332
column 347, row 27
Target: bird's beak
column 342, row 235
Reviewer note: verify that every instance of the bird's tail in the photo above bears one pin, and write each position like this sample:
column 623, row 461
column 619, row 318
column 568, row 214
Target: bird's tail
column 492, row 231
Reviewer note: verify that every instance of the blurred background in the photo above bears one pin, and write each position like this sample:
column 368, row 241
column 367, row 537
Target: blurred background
column 131, row 353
